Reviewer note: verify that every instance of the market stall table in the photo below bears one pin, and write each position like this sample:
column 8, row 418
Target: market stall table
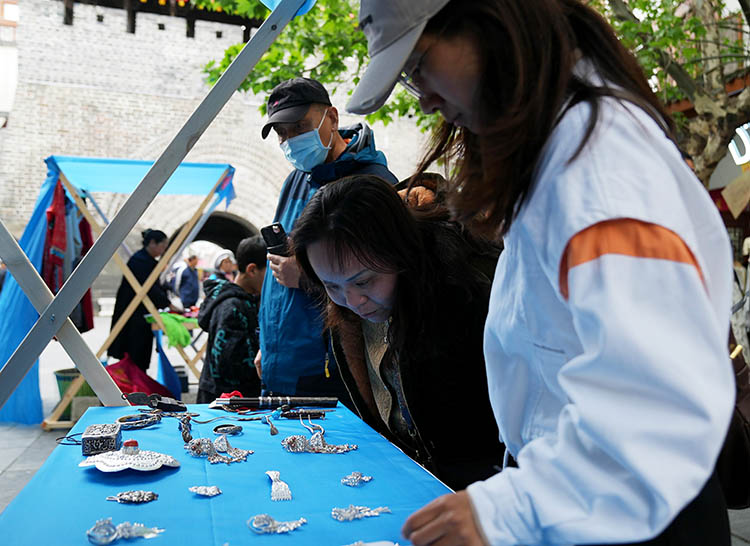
column 63, row 501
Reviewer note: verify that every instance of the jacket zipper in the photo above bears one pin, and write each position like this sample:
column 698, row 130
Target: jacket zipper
column 338, row 369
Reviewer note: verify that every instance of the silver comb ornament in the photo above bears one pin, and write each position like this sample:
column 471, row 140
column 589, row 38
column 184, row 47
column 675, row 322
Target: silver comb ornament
column 279, row 489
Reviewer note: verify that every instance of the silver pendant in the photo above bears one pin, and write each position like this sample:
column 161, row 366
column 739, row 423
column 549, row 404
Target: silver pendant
column 105, row 532
column 205, row 490
column 357, row 512
column 316, row 443
column 265, row 524
column 355, row 479
column 134, row 497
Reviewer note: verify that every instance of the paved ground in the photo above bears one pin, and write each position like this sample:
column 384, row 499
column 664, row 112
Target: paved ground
column 23, row 449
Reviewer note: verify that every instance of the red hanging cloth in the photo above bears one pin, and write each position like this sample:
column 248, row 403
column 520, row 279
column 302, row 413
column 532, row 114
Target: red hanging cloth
column 87, row 241
column 55, row 243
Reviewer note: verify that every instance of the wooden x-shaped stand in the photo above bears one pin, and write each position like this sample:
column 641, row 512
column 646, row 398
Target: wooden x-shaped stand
column 54, row 310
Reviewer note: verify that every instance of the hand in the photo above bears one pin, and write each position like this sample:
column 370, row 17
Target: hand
column 448, row 520
column 285, row 270
column 258, row 367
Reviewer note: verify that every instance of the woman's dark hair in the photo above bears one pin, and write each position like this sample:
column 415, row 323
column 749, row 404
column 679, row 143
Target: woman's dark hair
column 154, row 235
column 527, row 52
column 364, row 217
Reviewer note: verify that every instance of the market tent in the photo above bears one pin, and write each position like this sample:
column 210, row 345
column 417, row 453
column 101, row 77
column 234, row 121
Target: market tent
column 51, row 308
column 85, row 175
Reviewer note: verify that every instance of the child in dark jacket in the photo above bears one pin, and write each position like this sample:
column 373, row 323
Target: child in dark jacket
column 230, row 316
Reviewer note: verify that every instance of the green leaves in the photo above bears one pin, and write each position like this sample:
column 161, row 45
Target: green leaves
column 327, row 45
column 698, row 41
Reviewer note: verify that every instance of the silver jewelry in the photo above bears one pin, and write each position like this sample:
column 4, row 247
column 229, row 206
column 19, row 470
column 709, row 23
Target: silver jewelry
column 355, row 479
column 222, row 445
column 227, row 429
column 263, row 523
column 101, row 438
column 279, row 489
column 127, row 530
column 376, row 543
column 203, row 447
column 205, row 490
column 140, row 420
column 357, row 512
column 134, row 497
column 104, row 532
column 316, row 443
column 129, row 456
column 185, row 427
column 267, row 420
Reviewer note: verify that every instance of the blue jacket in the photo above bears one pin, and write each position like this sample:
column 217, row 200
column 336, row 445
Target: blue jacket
column 291, row 329
column 189, row 287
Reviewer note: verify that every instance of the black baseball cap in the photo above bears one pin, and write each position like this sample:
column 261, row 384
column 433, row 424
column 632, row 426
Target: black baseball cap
column 290, row 100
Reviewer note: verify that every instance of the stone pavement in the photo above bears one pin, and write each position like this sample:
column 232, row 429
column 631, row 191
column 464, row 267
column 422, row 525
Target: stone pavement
column 23, row 449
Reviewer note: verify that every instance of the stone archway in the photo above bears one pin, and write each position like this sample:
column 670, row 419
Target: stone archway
column 224, row 229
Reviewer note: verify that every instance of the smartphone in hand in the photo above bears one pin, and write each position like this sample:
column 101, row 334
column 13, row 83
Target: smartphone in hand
column 277, row 241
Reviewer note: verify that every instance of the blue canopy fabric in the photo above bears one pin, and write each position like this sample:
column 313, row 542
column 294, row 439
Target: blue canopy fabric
column 87, row 175
column 91, row 174
column 25, row 404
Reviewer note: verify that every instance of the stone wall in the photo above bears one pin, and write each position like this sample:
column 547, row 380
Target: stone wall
column 92, row 89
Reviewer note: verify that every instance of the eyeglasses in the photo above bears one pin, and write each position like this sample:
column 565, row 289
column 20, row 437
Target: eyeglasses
column 409, row 78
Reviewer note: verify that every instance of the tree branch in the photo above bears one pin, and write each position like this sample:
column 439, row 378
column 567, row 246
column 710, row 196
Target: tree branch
column 681, row 77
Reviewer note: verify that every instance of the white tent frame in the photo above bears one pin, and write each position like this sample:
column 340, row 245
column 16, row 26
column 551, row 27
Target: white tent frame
column 51, row 308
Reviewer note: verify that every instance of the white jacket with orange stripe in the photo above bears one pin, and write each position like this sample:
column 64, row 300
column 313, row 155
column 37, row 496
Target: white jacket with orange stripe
column 605, row 341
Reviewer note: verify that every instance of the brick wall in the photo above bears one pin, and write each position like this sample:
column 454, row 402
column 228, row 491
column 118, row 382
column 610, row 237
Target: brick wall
column 92, row 89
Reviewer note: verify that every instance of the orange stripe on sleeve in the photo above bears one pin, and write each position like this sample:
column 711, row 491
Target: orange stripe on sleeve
column 627, row 237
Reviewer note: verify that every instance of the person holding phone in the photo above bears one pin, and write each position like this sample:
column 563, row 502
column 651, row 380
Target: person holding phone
column 293, row 357
column 606, row 336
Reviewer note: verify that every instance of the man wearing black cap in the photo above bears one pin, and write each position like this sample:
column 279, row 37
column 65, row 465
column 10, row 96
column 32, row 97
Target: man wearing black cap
column 293, row 355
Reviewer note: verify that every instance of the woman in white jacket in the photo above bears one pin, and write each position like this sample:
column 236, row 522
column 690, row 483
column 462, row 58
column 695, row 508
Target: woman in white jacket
column 605, row 341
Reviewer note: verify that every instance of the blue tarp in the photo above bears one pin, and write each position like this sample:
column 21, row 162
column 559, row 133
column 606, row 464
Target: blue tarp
column 88, row 175
column 25, row 404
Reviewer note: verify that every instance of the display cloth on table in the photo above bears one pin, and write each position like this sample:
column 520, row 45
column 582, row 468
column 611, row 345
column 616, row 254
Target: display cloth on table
column 74, row 498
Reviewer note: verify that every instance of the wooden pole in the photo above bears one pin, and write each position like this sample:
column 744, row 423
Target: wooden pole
column 126, row 272
column 163, row 261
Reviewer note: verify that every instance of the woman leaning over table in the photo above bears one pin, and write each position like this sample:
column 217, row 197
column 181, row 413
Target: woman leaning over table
column 605, row 340
column 406, row 293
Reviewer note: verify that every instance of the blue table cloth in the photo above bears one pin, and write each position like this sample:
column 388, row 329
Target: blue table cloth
column 63, row 500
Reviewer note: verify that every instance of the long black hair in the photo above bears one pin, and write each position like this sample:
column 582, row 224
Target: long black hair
column 527, row 51
column 364, row 217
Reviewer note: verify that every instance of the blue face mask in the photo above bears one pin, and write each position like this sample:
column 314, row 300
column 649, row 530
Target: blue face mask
column 307, row 151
